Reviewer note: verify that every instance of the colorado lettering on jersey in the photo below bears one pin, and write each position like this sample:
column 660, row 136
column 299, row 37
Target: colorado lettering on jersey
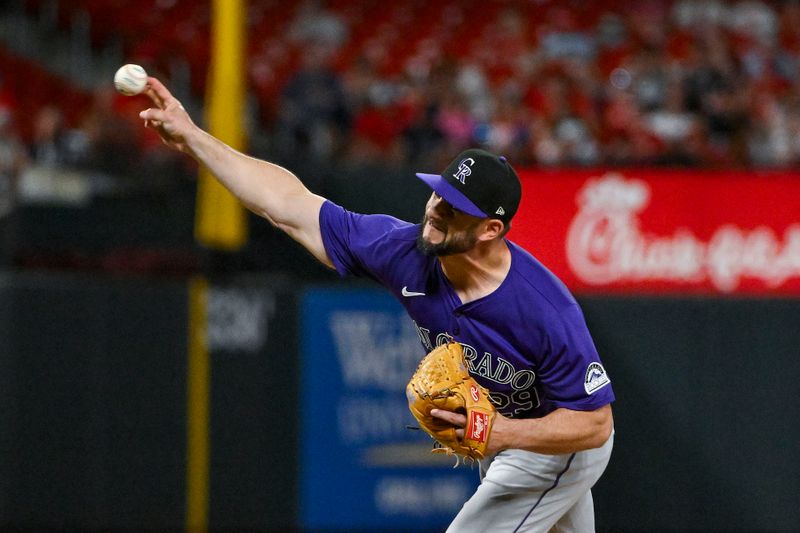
column 514, row 392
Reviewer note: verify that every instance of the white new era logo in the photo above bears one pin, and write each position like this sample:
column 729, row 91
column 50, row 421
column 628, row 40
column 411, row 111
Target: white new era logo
column 500, row 211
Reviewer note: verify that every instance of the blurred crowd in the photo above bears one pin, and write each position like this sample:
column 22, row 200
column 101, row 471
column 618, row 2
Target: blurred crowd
column 698, row 83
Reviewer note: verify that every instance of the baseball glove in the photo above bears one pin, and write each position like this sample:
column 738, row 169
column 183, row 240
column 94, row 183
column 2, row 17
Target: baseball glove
column 443, row 382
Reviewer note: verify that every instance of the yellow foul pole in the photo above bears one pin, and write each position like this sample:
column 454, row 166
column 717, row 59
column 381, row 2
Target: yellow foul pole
column 220, row 223
column 220, row 220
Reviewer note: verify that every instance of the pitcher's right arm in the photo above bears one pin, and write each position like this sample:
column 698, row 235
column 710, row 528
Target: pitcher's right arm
column 266, row 189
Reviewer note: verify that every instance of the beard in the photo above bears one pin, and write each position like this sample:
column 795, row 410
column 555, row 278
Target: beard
column 451, row 244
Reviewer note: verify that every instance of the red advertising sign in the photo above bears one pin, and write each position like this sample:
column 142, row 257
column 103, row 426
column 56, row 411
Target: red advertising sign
column 646, row 230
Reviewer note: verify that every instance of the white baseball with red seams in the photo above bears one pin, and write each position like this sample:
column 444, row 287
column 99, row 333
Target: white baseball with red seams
column 130, row 79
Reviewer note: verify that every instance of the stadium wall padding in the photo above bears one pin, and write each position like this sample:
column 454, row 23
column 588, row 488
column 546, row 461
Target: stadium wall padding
column 706, row 413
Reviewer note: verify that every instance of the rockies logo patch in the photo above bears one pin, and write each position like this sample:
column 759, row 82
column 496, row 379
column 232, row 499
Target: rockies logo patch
column 596, row 378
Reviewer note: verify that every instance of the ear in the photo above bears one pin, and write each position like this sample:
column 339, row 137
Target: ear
column 491, row 229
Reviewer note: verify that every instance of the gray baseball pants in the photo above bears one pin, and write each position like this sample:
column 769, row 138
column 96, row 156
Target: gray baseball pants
column 530, row 492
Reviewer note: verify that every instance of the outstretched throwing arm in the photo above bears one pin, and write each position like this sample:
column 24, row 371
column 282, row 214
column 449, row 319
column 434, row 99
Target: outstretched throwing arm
column 266, row 189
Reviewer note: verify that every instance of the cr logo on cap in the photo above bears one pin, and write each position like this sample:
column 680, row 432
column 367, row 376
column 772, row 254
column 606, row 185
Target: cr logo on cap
column 464, row 170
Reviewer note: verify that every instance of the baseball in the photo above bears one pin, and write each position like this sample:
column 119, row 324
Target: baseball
column 130, row 79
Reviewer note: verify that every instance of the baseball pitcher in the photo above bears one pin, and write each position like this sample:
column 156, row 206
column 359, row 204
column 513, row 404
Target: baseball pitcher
column 512, row 377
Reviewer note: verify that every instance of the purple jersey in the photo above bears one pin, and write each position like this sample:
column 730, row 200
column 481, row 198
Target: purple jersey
column 527, row 342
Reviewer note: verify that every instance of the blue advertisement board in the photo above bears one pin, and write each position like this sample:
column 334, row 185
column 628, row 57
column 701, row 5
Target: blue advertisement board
column 361, row 467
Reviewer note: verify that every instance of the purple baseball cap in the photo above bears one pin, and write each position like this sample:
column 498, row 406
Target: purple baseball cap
column 480, row 184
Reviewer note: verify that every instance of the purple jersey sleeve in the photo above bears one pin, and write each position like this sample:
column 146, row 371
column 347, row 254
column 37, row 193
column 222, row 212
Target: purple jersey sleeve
column 572, row 372
column 360, row 245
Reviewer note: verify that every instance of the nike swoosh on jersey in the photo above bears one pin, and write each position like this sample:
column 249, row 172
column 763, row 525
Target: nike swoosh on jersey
column 407, row 293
